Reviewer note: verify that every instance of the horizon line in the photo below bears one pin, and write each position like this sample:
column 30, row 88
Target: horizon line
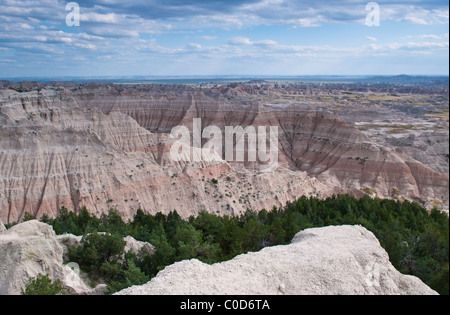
column 215, row 77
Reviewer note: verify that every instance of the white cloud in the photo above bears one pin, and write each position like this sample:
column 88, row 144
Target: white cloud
column 40, row 38
column 113, row 32
column 305, row 22
column 268, row 43
column 240, row 41
column 411, row 47
column 430, row 36
column 25, row 26
column 263, row 4
column 208, row 38
column 66, row 40
column 86, row 46
column 109, row 18
column 194, row 46
column 416, row 20
column 420, row 16
column 421, row 52
column 426, row 45
column 119, row 30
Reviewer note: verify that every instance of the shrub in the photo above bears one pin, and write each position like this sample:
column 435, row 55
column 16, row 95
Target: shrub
column 28, row 217
column 96, row 250
column 43, row 285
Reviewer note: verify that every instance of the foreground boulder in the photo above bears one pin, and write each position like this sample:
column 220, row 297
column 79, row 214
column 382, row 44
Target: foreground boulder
column 32, row 248
column 346, row 260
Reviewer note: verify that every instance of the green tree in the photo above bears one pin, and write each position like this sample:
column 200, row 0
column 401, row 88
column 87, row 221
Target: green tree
column 231, row 238
column 28, row 217
column 172, row 223
column 43, row 285
column 113, row 223
column 187, row 240
column 96, row 249
column 211, row 225
column 66, row 223
column 276, row 234
column 86, row 222
column 132, row 275
column 163, row 256
column 440, row 282
column 254, row 235
column 417, row 241
column 190, row 244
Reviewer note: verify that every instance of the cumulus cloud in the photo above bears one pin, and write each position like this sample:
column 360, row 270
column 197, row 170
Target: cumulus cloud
column 422, row 16
column 208, row 38
column 407, row 47
column 109, row 18
column 194, row 46
column 416, row 20
column 238, row 41
column 268, row 43
column 430, row 36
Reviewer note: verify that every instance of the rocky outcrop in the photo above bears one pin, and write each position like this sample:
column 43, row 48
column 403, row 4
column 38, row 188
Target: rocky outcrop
column 131, row 244
column 29, row 249
column 67, row 241
column 137, row 247
column 430, row 148
column 346, row 260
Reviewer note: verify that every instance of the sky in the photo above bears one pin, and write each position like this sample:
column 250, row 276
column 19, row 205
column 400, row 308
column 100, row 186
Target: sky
column 223, row 37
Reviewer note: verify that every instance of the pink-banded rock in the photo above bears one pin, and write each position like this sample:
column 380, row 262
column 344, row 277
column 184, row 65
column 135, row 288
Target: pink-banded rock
column 104, row 146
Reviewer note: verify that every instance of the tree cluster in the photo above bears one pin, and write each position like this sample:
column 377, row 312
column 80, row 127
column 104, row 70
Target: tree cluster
column 416, row 240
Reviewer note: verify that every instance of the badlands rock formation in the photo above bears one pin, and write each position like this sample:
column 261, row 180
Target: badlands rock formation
column 29, row 249
column 108, row 146
column 346, row 260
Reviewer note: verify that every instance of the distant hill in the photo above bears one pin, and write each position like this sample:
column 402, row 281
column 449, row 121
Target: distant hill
column 410, row 80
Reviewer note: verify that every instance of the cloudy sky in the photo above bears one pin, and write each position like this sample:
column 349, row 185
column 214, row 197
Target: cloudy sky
column 223, row 37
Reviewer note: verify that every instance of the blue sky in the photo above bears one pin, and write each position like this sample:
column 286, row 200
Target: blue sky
column 223, row 37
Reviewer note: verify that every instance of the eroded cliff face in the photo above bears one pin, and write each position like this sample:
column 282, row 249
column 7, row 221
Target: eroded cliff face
column 312, row 141
column 109, row 147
